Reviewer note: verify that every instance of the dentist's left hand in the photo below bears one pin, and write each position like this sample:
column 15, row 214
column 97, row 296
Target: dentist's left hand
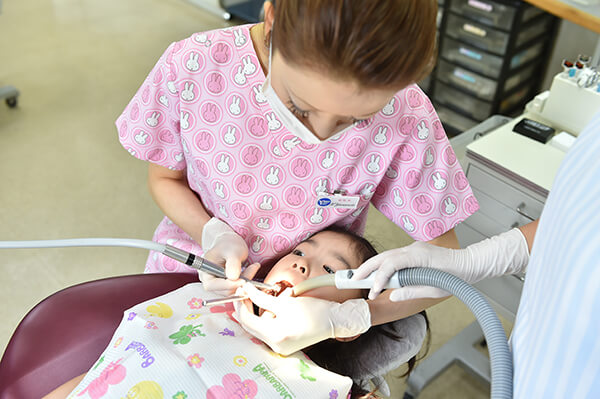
column 298, row 322
column 222, row 245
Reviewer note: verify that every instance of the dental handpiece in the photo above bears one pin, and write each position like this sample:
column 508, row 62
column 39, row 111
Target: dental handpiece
column 199, row 263
column 172, row 252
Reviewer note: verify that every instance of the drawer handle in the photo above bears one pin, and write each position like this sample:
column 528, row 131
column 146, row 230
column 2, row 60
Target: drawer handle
column 480, row 5
column 521, row 211
column 475, row 30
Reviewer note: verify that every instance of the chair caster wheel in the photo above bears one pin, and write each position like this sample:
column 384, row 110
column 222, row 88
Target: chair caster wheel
column 11, row 102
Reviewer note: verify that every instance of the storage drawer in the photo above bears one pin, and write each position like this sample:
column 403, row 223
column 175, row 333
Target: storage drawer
column 454, row 119
column 515, row 98
column 471, row 57
column 479, row 35
column 504, row 193
column 503, row 215
column 522, row 76
column 467, row 235
column 527, row 55
column 540, row 27
column 482, row 87
column 489, row 39
column 473, row 107
column 492, row 12
column 486, row 11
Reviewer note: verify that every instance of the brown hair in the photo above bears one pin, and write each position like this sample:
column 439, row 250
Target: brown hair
column 378, row 44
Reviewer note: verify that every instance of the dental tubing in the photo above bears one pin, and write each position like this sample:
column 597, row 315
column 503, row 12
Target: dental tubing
column 500, row 356
column 172, row 252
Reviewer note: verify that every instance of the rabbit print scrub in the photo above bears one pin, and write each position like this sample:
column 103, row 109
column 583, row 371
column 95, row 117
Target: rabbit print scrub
column 202, row 110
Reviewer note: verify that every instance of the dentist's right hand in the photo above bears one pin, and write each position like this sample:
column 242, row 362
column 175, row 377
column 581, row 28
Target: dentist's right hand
column 222, row 245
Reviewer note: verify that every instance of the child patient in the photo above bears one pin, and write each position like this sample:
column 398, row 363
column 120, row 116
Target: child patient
column 382, row 348
column 370, row 356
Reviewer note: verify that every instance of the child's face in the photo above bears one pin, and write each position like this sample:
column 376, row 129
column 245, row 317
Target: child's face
column 324, row 253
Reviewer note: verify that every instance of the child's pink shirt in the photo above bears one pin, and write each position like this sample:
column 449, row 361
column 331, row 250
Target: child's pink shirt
column 201, row 110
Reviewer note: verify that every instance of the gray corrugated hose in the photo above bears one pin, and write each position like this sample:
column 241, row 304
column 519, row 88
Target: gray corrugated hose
column 501, row 358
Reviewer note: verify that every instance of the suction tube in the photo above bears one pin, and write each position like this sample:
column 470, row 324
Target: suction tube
column 501, row 358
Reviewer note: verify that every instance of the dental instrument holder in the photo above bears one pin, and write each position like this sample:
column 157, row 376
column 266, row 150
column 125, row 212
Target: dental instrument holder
column 570, row 103
column 500, row 356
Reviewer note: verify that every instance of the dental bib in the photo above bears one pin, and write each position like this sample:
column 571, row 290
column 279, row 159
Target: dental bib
column 173, row 347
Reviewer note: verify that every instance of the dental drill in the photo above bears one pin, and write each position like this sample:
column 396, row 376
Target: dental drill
column 187, row 258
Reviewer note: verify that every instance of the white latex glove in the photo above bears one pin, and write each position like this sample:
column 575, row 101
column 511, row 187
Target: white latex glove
column 222, row 245
column 298, row 322
column 506, row 253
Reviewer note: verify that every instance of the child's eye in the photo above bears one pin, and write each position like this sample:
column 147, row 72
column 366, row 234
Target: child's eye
column 297, row 111
column 297, row 252
column 328, row 269
column 357, row 121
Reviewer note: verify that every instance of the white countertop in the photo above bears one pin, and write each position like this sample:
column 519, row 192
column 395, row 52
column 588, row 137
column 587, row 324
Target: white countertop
column 516, row 155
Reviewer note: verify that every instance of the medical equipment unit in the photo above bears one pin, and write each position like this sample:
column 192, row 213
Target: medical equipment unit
column 511, row 175
column 501, row 360
column 490, row 56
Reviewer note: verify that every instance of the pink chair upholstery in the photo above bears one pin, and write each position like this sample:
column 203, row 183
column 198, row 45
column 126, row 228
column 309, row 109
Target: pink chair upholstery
column 62, row 336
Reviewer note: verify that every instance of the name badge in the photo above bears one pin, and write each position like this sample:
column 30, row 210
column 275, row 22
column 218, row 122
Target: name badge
column 338, row 201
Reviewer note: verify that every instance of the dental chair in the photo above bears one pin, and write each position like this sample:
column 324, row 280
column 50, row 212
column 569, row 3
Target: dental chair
column 62, row 336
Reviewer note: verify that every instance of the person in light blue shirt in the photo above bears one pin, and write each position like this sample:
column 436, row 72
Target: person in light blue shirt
column 556, row 337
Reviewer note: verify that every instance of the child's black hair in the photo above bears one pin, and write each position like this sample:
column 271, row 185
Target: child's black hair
column 340, row 357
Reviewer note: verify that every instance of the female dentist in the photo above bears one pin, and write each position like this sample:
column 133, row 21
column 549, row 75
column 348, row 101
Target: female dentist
column 260, row 135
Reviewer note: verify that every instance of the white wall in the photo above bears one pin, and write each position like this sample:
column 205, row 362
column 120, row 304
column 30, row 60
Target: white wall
column 571, row 41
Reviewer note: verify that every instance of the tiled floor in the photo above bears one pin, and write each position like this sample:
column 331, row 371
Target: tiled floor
column 63, row 173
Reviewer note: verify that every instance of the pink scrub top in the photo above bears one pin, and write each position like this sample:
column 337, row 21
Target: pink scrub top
column 201, row 110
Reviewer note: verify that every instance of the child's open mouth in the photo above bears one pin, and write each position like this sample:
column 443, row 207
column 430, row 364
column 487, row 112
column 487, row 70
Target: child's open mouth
column 281, row 286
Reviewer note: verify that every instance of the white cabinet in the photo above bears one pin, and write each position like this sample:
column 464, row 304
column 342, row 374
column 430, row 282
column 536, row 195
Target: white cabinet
column 506, row 198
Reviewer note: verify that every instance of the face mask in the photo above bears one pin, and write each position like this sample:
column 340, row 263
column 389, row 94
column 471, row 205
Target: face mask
column 287, row 117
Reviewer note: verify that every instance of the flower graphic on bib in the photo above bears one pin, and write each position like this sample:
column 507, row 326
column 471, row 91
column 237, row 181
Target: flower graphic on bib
column 233, row 388
column 195, row 303
column 240, row 361
column 195, row 360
